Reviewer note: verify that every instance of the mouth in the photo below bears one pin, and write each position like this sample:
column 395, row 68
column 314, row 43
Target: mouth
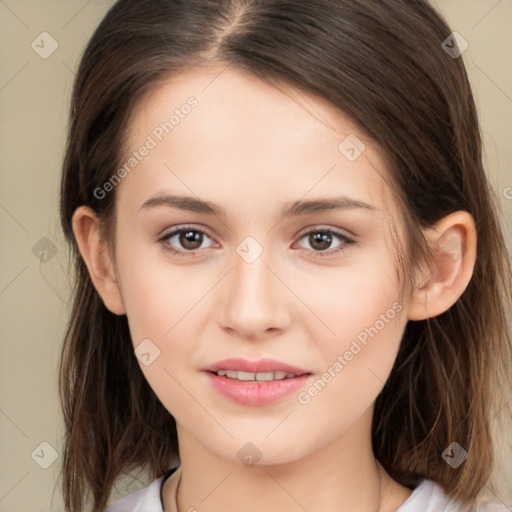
column 245, row 368
column 256, row 383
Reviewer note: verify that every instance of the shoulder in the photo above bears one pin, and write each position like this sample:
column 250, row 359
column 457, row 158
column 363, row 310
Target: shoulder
column 430, row 497
column 144, row 500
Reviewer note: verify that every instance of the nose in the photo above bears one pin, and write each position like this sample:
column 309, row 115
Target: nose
column 255, row 304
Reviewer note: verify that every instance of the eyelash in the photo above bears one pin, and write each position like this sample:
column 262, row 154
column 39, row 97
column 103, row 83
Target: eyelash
column 346, row 241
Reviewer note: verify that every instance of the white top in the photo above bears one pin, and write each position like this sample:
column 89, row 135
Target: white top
column 427, row 497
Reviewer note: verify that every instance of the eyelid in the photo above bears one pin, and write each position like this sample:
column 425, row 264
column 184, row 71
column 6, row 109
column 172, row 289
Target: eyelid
column 320, row 227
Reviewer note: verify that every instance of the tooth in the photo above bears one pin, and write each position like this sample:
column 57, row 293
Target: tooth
column 265, row 376
column 245, row 376
column 259, row 377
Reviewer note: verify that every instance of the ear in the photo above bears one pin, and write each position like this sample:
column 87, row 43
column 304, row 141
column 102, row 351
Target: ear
column 453, row 240
column 95, row 253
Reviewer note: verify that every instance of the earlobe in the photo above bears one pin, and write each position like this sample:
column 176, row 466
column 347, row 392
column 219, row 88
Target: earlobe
column 453, row 241
column 96, row 256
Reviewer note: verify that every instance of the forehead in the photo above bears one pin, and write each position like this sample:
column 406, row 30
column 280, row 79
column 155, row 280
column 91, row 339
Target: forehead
column 247, row 137
column 229, row 98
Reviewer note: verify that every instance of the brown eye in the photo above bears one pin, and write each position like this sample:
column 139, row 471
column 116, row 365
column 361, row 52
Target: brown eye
column 190, row 239
column 184, row 240
column 320, row 240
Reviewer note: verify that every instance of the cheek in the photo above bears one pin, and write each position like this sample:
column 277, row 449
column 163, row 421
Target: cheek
column 159, row 300
column 362, row 292
column 157, row 294
column 360, row 306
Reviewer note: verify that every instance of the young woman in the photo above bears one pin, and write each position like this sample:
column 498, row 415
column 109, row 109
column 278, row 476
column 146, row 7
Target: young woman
column 292, row 284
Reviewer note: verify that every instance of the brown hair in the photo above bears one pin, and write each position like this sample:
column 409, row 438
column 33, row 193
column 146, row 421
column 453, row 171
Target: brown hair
column 381, row 63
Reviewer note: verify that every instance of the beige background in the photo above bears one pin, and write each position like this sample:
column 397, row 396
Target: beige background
column 34, row 95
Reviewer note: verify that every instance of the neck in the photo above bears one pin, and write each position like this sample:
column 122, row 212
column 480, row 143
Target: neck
column 342, row 476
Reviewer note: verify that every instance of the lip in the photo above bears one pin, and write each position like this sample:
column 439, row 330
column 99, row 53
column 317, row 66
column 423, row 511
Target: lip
column 260, row 366
column 256, row 393
column 251, row 392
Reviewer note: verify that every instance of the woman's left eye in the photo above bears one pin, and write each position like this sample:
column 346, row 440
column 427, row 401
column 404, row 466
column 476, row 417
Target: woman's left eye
column 191, row 239
column 321, row 239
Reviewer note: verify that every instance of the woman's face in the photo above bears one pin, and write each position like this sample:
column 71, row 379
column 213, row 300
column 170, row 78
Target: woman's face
column 295, row 265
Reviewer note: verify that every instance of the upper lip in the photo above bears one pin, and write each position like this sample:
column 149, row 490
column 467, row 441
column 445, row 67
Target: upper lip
column 260, row 366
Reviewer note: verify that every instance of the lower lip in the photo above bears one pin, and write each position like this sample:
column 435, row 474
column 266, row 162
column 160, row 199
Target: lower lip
column 256, row 393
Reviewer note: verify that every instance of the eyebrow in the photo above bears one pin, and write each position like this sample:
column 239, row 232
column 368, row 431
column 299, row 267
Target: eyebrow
column 193, row 204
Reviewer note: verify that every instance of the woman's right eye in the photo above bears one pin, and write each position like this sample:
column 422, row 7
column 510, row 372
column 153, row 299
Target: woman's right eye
column 186, row 239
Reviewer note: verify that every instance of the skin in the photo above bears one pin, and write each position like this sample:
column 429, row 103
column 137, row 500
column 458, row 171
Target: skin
column 253, row 149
